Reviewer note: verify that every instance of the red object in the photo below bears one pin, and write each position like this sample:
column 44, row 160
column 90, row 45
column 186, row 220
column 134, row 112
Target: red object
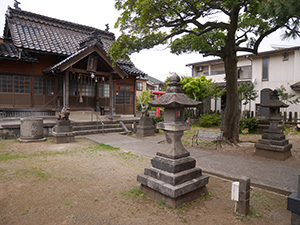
column 158, row 94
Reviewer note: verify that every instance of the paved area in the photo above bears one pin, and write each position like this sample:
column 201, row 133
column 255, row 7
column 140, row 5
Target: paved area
column 272, row 175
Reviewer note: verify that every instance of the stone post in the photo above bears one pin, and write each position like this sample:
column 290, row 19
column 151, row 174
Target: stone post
column 293, row 205
column 290, row 116
column 295, row 117
column 244, row 196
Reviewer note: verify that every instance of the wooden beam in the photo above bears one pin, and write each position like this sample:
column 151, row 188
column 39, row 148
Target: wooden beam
column 82, row 71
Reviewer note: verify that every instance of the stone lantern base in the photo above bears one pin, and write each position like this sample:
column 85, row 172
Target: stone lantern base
column 174, row 181
column 273, row 146
column 62, row 132
column 145, row 127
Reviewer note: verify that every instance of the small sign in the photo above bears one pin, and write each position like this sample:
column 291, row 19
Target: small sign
column 235, row 191
column 125, row 88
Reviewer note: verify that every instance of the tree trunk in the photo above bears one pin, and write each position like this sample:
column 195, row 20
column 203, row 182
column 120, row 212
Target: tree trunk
column 231, row 118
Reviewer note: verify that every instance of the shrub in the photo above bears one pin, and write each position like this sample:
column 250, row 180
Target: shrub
column 158, row 119
column 250, row 123
column 209, row 120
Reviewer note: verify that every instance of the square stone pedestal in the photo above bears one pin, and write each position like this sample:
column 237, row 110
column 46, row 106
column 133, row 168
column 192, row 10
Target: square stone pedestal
column 293, row 205
column 175, row 181
column 273, row 146
column 145, row 127
column 66, row 137
column 62, row 132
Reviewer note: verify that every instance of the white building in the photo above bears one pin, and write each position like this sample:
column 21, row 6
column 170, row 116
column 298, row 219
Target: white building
column 269, row 69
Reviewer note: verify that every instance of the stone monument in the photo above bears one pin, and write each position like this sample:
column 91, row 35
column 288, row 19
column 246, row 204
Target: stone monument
column 62, row 132
column 273, row 143
column 293, row 205
column 31, row 130
column 145, row 126
column 173, row 177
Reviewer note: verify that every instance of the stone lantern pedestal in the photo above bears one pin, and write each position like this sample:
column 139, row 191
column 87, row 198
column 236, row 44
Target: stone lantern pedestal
column 145, row 127
column 273, row 143
column 62, row 132
column 173, row 176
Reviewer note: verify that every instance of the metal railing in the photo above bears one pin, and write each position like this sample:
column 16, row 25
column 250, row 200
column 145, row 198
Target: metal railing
column 98, row 119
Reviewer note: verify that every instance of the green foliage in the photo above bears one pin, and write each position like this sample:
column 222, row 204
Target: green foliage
column 144, row 98
column 286, row 97
column 158, row 119
column 250, row 123
column 209, row 120
column 286, row 13
column 247, row 93
column 198, row 87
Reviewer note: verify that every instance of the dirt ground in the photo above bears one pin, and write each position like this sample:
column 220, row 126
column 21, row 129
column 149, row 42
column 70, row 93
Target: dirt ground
column 86, row 183
column 246, row 146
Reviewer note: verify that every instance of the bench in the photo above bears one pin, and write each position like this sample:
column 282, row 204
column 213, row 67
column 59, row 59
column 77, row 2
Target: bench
column 211, row 135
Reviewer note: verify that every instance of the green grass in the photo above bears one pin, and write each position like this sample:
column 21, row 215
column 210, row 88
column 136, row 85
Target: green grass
column 101, row 147
column 5, row 156
column 128, row 155
column 134, row 192
column 36, row 172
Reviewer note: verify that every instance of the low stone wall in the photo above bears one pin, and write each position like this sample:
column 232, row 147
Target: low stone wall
column 13, row 131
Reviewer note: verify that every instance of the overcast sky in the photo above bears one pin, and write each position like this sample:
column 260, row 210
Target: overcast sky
column 96, row 13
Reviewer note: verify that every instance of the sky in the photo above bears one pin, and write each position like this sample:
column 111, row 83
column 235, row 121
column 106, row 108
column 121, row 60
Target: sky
column 157, row 62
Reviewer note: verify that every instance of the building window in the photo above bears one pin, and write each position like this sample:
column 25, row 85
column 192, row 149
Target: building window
column 21, row 84
column 6, row 83
column 244, row 72
column 139, row 86
column 44, row 86
column 104, row 90
column 123, row 97
column 88, row 89
column 265, row 69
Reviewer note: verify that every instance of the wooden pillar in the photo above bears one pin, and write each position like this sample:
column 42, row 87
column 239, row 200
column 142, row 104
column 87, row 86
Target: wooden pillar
column 111, row 97
column 243, row 204
column 66, row 87
column 134, row 96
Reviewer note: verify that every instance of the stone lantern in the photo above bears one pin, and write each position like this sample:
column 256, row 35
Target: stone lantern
column 273, row 143
column 173, row 177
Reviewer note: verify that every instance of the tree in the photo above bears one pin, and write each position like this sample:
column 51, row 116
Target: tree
column 200, row 88
column 143, row 99
column 247, row 93
column 286, row 97
column 219, row 28
column 197, row 87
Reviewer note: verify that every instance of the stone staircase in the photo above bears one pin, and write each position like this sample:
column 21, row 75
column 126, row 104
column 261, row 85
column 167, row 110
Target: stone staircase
column 90, row 127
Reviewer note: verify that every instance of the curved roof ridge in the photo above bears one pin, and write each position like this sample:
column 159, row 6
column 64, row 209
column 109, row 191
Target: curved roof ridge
column 13, row 13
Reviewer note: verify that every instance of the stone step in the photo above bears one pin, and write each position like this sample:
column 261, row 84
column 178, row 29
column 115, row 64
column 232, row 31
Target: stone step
column 94, row 127
column 86, row 123
column 108, row 130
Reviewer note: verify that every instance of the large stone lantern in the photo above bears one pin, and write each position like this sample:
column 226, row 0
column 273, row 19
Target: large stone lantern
column 173, row 177
column 273, row 143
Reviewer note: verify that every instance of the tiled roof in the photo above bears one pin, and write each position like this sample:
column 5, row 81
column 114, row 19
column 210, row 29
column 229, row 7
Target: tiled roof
column 154, row 80
column 8, row 50
column 40, row 33
column 129, row 68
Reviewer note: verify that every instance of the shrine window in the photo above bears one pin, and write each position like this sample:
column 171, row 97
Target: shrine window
column 21, row 84
column 43, row 86
column 104, row 90
column 6, row 83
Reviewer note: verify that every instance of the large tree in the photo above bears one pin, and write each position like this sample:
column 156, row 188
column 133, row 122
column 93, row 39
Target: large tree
column 218, row 28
